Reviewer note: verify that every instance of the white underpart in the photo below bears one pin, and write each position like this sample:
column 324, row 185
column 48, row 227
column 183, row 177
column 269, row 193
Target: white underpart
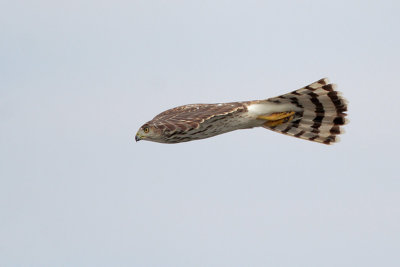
column 269, row 108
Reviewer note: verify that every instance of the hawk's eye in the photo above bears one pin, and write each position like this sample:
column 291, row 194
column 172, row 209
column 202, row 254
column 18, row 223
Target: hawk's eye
column 146, row 129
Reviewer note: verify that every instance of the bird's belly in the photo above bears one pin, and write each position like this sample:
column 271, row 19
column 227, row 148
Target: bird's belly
column 215, row 126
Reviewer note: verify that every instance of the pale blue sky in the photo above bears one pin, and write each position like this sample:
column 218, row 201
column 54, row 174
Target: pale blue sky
column 78, row 78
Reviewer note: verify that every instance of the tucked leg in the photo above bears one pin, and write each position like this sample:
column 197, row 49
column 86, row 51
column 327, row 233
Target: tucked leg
column 276, row 119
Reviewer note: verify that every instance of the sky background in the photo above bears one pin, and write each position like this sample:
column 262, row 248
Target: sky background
column 78, row 78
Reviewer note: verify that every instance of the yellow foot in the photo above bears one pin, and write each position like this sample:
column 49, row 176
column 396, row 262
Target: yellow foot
column 278, row 118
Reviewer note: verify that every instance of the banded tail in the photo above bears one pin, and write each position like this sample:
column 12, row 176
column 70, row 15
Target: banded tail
column 320, row 115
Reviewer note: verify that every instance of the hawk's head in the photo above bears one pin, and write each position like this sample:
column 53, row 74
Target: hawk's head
column 150, row 133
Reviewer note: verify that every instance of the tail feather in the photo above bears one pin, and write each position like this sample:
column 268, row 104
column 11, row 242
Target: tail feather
column 321, row 115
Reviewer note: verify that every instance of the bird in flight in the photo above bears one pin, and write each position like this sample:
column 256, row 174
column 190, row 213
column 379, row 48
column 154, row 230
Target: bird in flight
column 315, row 112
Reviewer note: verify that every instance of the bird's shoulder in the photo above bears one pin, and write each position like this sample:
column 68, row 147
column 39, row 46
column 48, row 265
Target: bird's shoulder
column 201, row 111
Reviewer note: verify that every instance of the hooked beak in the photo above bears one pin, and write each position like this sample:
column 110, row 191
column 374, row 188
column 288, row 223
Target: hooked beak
column 137, row 137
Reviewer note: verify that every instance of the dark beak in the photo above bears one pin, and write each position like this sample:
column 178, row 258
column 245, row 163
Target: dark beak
column 137, row 138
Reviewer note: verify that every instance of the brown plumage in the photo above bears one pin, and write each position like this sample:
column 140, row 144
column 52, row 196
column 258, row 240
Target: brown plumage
column 314, row 112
